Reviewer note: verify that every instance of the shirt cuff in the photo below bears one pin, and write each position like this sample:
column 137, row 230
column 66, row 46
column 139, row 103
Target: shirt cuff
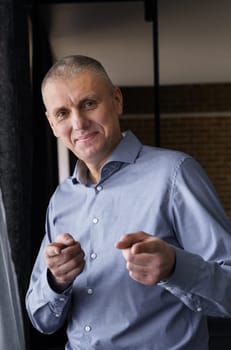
column 49, row 293
column 185, row 272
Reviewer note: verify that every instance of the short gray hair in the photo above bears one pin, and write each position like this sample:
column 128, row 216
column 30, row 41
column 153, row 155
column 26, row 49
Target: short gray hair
column 72, row 65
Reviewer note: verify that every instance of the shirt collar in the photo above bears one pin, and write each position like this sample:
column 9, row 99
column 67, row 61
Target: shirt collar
column 125, row 152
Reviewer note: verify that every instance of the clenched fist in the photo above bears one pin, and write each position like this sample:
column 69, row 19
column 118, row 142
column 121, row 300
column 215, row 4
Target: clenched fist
column 65, row 261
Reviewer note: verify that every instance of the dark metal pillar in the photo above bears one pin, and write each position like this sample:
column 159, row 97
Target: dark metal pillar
column 151, row 14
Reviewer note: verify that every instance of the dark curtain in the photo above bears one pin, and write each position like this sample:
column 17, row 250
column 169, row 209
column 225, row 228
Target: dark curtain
column 15, row 133
column 28, row 159
column 45, row 169
column 45, row 166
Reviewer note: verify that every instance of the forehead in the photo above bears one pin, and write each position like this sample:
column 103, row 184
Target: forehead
column 74, row 89
column 79, row 83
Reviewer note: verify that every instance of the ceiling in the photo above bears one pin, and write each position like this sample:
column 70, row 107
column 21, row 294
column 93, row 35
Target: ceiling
column 194, row 38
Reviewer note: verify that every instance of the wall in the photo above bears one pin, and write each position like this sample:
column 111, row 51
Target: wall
column 194, row 38
column 194, row 48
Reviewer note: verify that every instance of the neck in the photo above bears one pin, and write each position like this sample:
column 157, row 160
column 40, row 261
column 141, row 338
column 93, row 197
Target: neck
column 94, row 175
column 94, row 167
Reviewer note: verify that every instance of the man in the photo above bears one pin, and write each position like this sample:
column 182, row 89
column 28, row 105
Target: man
column 137, row 246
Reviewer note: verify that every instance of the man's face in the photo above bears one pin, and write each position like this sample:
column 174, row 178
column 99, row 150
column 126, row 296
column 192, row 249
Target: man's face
column 84, row 113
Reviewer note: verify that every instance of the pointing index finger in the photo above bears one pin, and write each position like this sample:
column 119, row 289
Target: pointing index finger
column 140, row 242
column 128, row 240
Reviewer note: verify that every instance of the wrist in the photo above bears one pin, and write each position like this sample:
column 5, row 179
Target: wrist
column 55, row 285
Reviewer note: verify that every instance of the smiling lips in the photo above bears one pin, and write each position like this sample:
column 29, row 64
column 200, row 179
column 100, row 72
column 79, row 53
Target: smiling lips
column 86, row 137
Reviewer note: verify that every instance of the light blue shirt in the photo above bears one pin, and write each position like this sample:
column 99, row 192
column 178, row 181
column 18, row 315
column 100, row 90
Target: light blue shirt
column 161, row 192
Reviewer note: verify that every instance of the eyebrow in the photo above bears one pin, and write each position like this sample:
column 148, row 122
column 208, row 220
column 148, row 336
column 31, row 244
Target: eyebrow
column 89, row 97
column 57, row 109
column 80, row 102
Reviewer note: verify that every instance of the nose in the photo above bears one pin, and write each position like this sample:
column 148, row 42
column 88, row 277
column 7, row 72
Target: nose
column 79, row 121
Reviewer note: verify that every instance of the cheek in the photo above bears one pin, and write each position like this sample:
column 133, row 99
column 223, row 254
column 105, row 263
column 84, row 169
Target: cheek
column 55, row 132
column 53, row 126
column 61, row 131
column 109, row 119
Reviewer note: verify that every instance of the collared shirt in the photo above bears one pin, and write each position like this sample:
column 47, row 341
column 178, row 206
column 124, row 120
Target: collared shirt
column 166, row 194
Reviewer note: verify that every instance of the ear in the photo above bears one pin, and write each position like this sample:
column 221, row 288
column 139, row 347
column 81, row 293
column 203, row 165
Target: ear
column 51, row 124
column 118, row 98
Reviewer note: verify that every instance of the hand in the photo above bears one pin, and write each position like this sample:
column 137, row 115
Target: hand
column 65, row 261
column 149, row 259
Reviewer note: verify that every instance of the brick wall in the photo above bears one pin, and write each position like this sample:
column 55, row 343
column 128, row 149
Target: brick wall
column 204, row 133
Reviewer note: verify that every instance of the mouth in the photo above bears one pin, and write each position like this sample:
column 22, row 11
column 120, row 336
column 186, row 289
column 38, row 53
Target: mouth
column 86, row 137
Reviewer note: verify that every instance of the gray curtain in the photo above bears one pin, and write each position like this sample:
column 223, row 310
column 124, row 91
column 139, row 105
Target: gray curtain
column 15, row 136
column 11, row 322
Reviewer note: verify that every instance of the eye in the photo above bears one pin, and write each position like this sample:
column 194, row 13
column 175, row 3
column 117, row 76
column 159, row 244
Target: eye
column 61, row 114
column 89, row 104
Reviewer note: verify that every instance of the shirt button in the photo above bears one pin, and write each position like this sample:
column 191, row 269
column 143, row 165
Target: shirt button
column 199, row 309
column 93, row 256
column 61, row 299
column 90, row 291
column 95, row 220
column 99, row 188
column 87, row 329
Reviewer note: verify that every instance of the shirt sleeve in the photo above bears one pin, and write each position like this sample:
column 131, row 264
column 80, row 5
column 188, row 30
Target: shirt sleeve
column 47, row 309
column 202, row 276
